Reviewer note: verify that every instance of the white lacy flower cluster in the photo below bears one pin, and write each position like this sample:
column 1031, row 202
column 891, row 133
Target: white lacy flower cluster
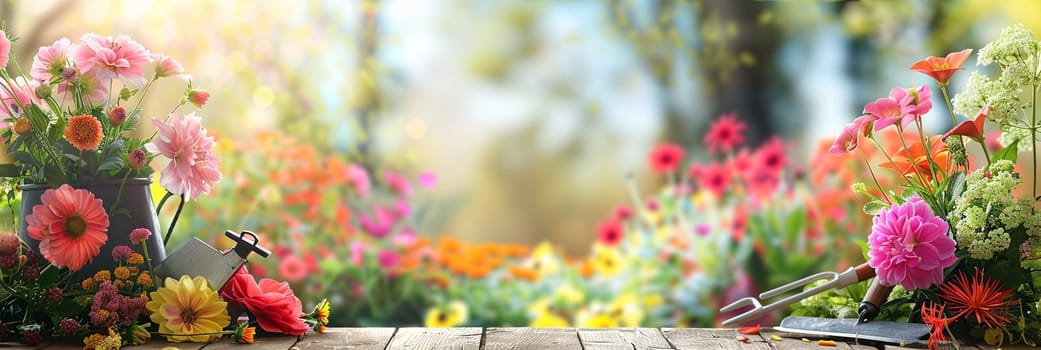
column 987, row 212
column 1017, row 53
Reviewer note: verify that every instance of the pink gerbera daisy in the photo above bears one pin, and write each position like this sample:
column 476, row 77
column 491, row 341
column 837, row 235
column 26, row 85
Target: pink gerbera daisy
column 193, row 164
column 24, row 95
column 108, row 58
column 51, row 61
column 715, row 178
column 724, row 133
column 71, row 226
column 665, row 158
column 5, row 49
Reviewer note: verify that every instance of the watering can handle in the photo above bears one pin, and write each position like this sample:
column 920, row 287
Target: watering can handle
column 243, row 246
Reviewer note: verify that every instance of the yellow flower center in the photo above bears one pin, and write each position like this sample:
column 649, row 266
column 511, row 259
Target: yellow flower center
column 75, row 226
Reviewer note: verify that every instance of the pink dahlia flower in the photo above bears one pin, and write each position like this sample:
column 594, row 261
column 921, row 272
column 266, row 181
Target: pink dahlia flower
column 909, row 246
column 193, row 166
column 5, row 49
column 108, row 58
column 51, row 61
column 71, row 226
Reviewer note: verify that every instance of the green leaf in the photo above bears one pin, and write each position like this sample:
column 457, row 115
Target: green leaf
column 875, row 207
column 9, row 170
column 111, row 164
column 25, row 158
column 1008, row 153
column 126, row 94
column 54, row 176
column 48, row 276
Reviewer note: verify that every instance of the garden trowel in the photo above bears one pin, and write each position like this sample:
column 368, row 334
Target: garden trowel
column 882, row 331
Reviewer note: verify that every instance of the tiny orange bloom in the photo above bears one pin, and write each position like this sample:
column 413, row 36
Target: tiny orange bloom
column 524, row 273
column 942, row 69
column 84, row 132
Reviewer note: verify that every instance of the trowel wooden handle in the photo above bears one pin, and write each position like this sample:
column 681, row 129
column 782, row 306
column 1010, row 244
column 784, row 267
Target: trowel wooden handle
column 864, row 271
column 873, row 300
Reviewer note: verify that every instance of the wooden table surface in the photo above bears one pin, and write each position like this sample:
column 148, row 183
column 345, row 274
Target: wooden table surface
column 477, row 338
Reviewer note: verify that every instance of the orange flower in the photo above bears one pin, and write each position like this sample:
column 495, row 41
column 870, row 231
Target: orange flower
column 84, row 132
column 586, row 269
column 524, row 273
column 914, row 161
column 942, row 69
column 972, row 129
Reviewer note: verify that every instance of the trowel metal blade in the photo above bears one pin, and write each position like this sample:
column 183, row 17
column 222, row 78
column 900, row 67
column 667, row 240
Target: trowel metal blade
column 882, row 331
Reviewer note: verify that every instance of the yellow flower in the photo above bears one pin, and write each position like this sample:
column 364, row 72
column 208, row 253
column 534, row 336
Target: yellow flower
column 544, row 259
column 596, row 320
column 450, row 316
column 121, row 272
column 188, row 306
column 569, row 294
column 88, row 284
column 549, row 320
column 626, row 309
column 606, row 260
column 102, row 276
column 994, row 336
column 321, row 312
column 136, row 258
column 144, row 279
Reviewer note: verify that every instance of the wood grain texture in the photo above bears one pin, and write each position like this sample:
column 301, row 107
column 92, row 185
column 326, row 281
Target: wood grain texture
column 260, row 342
column 711, row 339
column 531, row 339
column 623, row 338
column 437, row 338
column 349, row 338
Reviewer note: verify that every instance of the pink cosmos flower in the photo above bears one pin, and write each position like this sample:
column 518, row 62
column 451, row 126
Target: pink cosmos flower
column 405, row 238
column 357, row 252
column 427, row 179
column 291, row 268
column 397, row 182
column 902, row 105
column 402, row 209
column 71, row 226
column 51, row 61
column 24, row 95
column 359, row 178
column 724, row 133
column 716, row 179
column 380, row 225
column 121, row 58
column 166, row 66
column 193, row 166
column 909, row 245
column 918, row 101
column 388, row 259
column 5, row 49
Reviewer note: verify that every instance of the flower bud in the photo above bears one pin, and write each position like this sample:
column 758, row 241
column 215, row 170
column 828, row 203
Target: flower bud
column 136, row 159
column 22, row 126
column 956, row 149
column 43, row 91
column 198, row 97
column 117, row 116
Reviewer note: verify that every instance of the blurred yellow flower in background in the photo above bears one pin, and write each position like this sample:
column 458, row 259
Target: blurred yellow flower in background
column 454, row 314
column 606, row 260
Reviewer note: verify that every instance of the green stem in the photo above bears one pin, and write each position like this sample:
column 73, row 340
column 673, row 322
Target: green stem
column 1033, row 138
column 910, row 156
column 954, row 120
column 873, row 177
column 891, row 162
column 119, row 193
column 934, row 168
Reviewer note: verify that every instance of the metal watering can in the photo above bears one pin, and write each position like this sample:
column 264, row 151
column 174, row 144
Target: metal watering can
column 196, row 258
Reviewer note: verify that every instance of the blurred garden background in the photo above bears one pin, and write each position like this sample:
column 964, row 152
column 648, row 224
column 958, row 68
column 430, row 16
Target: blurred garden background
column 490, row 163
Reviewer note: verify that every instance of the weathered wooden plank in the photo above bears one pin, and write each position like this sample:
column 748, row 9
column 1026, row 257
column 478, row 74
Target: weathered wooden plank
column 259, row 342
column 348, row 338
column 622, row 338
column 532, row 338
column 159, row 343
column 943, row 346
column 718, row 339
column 437, row 338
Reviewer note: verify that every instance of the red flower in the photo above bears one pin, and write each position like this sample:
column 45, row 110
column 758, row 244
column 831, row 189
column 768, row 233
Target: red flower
column 666, row 158
column 623, row 212
column 932, row 315
column 979, row 297
column 724, row 133
column 272, row 303
column 971, row 128
column 942, row 69
column 770, row 156
column 610, row 232
column 715, row 178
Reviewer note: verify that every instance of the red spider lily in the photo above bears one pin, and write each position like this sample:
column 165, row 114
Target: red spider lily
column 979, row 297
column 932, row 315
column 942, row 69
column 971, row 128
